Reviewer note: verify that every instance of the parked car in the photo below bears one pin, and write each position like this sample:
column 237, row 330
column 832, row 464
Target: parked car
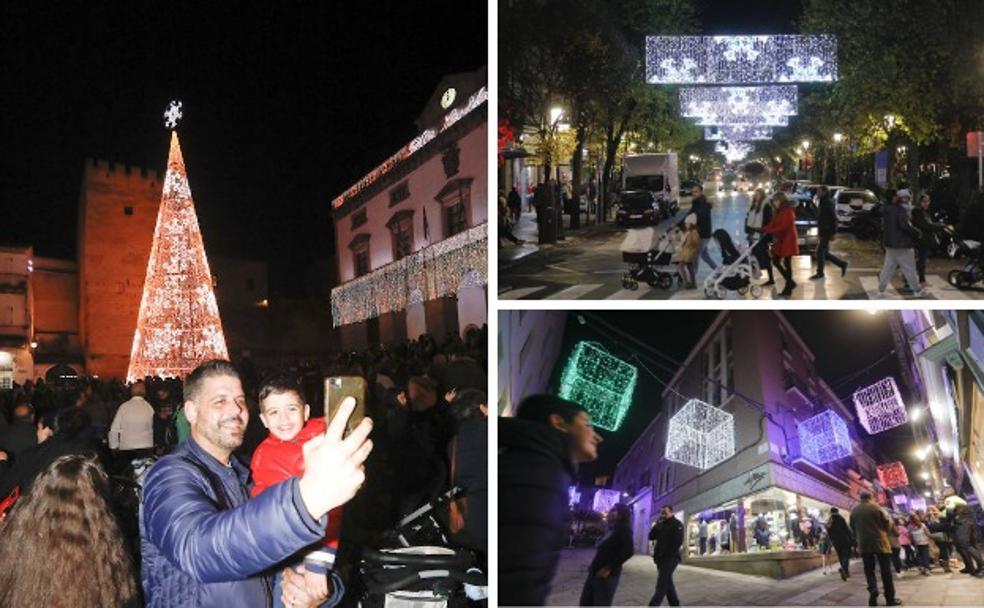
column 807, row 227
column 642, row 207
column 850, row 201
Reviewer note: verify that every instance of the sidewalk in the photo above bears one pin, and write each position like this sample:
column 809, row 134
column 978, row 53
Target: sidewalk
column 526, row 230
column 704, row 587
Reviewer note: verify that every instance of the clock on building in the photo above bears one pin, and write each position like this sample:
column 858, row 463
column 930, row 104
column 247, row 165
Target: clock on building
column 448, row 98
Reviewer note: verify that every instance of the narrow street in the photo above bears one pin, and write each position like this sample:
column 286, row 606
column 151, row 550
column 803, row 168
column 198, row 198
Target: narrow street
column 588, row 265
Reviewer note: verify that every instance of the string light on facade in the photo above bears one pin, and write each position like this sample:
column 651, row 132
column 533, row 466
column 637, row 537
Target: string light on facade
column 700, row 435
column 824, row 438
column 739, row 105
column 892, row 475
column 737, row 133
column 178, row 326
column 740, row 59
column 605, row 499
column 880, row 406
column 430, row 273
column 600, row 383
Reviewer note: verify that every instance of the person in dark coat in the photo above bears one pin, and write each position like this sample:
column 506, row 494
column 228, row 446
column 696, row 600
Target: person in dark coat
column 470, row 466
column 826, row 228
column 922, row 220
column 20, row 435
column 842, row 539
column 539, row 451
column 515, row 204
column 668, row 535
column 606, row 567
column 872, row 526
column 702, row 210
column 899, row 237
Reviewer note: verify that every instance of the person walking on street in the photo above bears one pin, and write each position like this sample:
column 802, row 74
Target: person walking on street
column 827, row 228
column 919, row 534
column 899, row 237
column 964, row 533
column 842, row 539
column 939, row 531
column 924, row 222
column 759, row 215
column 702, row 210
column 871, row 527
column 606, row 567
column 901, row 528
column 686, row 256
column 893, row 541
column 515, row 204
column 668, row 536
column 786, row 245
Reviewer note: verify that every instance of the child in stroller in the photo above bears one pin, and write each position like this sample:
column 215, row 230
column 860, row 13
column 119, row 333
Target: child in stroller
column 650, row 257
column 736, row 271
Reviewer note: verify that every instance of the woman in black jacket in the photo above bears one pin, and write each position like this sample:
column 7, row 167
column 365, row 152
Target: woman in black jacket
column 922, row 220
column 606, row 567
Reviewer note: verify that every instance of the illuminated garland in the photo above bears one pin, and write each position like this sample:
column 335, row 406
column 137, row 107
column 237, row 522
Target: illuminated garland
column 892, row 475
column 477, row 99
column 824, row 438
column 428, row 274
column 604, row 500
column 700, row 435
column 734, row 151
column 740, row 59
column 747, row 120
column 737, row 133
column 880, row 406
column 739, row 105
column 600, row 383
column 178, row 326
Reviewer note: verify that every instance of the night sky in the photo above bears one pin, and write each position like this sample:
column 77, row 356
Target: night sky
column 284, row 109
column 844, row 342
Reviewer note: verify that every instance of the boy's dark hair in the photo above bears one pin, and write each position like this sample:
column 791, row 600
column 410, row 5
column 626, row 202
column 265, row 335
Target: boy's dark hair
column 538, row 408
column 209, row 369
column 278, row 384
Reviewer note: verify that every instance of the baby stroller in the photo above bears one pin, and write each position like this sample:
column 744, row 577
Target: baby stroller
column 650, row 259
column 418, row 568
column 736, row 272
column 972, row 271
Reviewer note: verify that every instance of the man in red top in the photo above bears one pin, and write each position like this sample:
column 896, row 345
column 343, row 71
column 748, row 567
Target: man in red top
column 279, row 457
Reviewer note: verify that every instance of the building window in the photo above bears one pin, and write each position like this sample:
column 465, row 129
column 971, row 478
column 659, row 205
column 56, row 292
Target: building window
column 399, row 193
column 359, row 218
column 6, row 370
column 717, row 362
column 127, row 209
column 401, row 228
column 455, row 199
column 360, row 254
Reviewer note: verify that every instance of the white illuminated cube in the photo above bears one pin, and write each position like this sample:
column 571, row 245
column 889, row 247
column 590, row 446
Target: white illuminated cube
column 880, row 406
column 700, row 435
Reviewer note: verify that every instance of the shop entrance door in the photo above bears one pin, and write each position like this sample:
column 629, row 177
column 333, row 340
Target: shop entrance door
column 641, row 520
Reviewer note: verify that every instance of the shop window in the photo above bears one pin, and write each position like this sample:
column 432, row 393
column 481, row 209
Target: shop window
column 6, row 370
column 401, row 230
column 455, row 199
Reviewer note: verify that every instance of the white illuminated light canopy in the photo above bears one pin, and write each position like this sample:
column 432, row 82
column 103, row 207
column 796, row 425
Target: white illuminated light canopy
column 880, row 406
column 737, row 133
column 734, row 151
column 700, row 435
column 739, row 105
column 741, row 59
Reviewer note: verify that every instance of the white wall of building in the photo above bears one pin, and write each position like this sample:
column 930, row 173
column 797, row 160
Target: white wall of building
column 529, row 344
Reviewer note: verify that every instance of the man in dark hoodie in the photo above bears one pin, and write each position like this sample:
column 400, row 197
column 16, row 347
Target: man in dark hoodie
column 702, row 211
column 539, row 451
column 606, row 567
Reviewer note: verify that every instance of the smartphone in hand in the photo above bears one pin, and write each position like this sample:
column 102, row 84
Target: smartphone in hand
column 337, row 388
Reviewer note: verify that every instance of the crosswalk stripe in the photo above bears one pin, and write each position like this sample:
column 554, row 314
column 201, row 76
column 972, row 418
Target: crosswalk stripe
column 941, row 290
column 870, row 286
column 522, row 292
column 629, row 294
column 574, row 292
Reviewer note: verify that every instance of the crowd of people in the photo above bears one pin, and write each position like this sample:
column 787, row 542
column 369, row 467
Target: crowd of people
column 155, row 475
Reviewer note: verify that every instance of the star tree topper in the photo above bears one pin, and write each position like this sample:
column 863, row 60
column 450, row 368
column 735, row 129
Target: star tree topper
column 172, row 114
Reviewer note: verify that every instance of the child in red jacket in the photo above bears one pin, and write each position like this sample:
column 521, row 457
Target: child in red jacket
column 281, row 456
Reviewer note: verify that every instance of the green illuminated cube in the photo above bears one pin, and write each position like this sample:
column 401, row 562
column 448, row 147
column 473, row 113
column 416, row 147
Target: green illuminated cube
column 600, row 382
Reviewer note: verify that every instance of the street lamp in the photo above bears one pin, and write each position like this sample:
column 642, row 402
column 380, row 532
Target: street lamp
column 890, row 121
column 915, row 414
column 806, row 144
column 838, row 137
column 555, row 114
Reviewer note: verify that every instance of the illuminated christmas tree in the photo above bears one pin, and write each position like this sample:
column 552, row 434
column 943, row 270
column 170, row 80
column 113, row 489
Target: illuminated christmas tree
column 178, row 326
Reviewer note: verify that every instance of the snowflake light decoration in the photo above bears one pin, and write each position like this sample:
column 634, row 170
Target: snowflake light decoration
column 761, row 119
column 741, row 59
column 880, row 406
column 892, row 475
column 604, row 500
column 600, row 382
column 720, row 104
column 700, row 435
column 737, row 133
column 824, row 438
column 178, row 326
column 734, row 151
column 172, row 114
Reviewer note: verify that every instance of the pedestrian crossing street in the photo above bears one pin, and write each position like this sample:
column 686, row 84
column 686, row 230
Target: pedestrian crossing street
column 936, row 286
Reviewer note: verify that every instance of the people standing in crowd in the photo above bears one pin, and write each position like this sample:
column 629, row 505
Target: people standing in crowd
column 506, row 223
column 827, row 229
column 539, row 451
column 469, row 469
column 20, row 434
column 667, row 534
column 165, row 435
column 842, row 540
column 902, row 529
column 939, row 531
column 923, row 221
column 961, row 518
column 701, row 209
column 899, row 237
column 194, row 496
column 131, row 435
column 61, row 546
column 759, row 215
column 786, row 245
column 919, row 534
column 606, row 568
column 871, row 527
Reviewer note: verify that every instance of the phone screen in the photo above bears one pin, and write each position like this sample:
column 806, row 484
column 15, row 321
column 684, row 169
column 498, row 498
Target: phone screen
column 337, row 388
